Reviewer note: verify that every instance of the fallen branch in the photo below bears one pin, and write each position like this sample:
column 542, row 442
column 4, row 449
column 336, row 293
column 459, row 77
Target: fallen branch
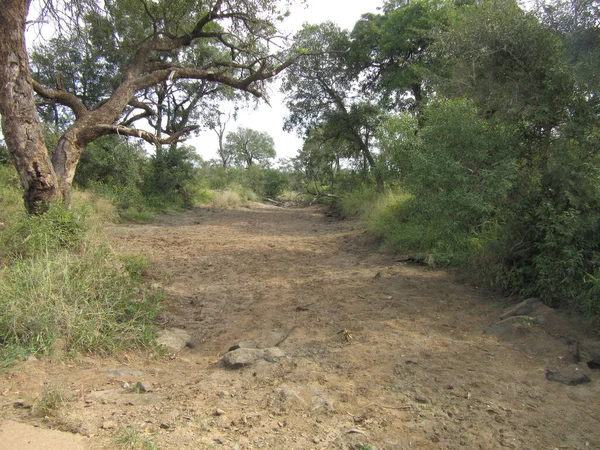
column 276, row 203
column 318, row 196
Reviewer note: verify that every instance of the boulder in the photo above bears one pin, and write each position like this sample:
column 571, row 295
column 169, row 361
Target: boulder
column 174, row 339
column 525, row 308
column 510, row 324
column 570, row 375
column 588, row 352
column 243, row 357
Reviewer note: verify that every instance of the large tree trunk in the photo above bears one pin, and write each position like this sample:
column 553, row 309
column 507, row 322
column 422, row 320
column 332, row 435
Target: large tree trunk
column 20, row 123
column 65, row 160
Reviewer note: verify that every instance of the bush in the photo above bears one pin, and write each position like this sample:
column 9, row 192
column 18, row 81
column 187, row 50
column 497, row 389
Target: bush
column 274, row 183
column 29, row 236
column 459, row 171
column 88, row 303
column 62, row 289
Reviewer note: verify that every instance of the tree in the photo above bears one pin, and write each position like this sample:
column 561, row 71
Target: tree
column 318, row 162
column 219, row 126
column 321, row 91
column 223, row 42
column 392, row 50
column 249, row 147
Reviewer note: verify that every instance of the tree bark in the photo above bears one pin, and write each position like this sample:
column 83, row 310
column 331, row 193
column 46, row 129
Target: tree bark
column 21, row 126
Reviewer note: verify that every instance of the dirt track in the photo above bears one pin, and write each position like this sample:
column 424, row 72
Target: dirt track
column 376, row 351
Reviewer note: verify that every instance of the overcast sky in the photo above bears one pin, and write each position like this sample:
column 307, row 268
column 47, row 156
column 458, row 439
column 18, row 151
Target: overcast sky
column 270, row 118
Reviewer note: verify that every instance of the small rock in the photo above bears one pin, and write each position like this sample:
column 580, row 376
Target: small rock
column 569, row 375
column 420, row 398
column 156, row 286
column 271, row 354
column 173, row 339
column 165, row 426
column 224, row 394
column 219, row 412
column 525, row 308
column 124, row 373
column 22, row 404
column 588, row 352
column 108, row 425
column 243, row 357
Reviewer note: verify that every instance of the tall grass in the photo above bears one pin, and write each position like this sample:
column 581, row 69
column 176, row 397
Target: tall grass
column 62, row 287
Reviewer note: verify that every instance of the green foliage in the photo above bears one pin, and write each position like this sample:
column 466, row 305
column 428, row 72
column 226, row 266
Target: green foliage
column 459, row 171
column 169, row 171
column 249, row 147
column 30, row 236
column 397, row 45
column 274, row 183
column 5, row 159
column 111, row 160
column 84, row 301
column 11, row 196
column 63, row 291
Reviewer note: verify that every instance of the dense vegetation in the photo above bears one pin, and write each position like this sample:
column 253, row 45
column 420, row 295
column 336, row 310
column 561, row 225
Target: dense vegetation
column 484, row 118
column 465, row 133
column 63, row 290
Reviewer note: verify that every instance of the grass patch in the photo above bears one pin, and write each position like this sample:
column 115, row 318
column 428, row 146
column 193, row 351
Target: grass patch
column 131, row 439
column 50, row 401
column 63, row 291
column 226, row 199
column 87, row 303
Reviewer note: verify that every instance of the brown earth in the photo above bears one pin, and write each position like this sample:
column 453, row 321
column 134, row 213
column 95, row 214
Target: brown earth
column 378, row 353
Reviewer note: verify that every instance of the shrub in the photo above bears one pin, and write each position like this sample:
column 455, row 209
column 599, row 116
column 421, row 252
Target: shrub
column 89, row 303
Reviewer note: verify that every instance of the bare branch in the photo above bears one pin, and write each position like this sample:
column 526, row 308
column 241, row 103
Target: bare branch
column 63, row 97
column 145, row 135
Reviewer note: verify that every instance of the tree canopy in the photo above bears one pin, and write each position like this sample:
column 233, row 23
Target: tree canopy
column 248, row 147
column 135, row 58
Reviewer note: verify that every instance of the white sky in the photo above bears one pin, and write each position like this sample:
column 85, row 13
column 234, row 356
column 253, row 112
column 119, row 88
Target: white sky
column 269, row 119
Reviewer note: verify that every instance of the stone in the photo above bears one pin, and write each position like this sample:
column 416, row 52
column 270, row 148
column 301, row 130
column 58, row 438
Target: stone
column 421, row 399
column 174, row 339
column 273, row 353
column 219, row 412
column 305, row 397
column 510, row 324
column 588, row 352
column 243, row 357
column 525, row 308
column 570, row 375
column 124, row 373
column 109, row 425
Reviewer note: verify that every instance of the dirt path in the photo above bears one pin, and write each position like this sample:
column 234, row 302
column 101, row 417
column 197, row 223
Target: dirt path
column 377, row 352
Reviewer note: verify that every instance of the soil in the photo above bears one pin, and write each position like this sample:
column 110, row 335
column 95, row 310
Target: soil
column 379, row 353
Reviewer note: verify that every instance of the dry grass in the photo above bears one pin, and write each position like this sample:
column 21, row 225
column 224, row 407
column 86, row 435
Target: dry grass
column 226, row 199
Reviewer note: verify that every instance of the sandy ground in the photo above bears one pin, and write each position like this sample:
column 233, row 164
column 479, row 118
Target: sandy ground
column 378, row 353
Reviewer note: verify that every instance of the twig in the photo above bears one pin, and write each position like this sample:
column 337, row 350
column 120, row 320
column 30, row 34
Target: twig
column 286, row 336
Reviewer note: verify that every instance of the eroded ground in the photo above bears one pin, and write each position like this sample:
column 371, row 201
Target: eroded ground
column 377, row 351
